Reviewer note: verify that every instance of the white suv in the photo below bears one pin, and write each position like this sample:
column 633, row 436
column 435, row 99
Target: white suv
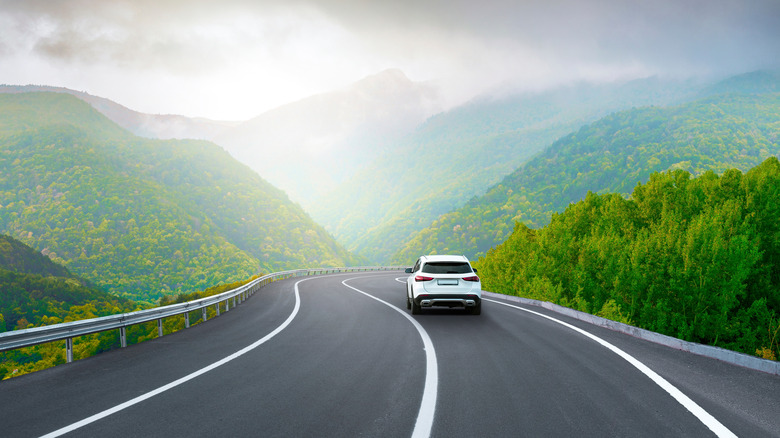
column 443, row 280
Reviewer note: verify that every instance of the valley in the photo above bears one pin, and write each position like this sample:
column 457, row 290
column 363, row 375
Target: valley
column 148, row 219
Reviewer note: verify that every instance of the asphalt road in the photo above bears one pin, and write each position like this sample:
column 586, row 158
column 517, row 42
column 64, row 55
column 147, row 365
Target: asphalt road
column 340, row 356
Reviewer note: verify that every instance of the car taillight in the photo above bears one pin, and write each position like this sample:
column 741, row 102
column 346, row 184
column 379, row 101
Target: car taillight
column 422, row 278
column 472, row 278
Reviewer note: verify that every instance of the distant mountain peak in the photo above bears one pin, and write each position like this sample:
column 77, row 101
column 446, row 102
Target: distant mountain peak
column 392, row 76
column 755, row 82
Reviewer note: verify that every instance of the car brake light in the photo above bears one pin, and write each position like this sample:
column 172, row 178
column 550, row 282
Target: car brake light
column 472, row 278
column 422, row 278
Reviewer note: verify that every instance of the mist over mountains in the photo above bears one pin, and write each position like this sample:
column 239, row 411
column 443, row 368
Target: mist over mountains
column 459, row 153
column 309, row 147
column 613, row 154
column 160, row 126
column 143, row 217
column 378, row 161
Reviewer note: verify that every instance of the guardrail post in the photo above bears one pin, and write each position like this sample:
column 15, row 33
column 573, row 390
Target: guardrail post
column 159, row 328
column 69, row 350
column 227, row 304
column 234, row 301
column 216, row 306
column 186, row 319
column 123, row 336
column 203, row 311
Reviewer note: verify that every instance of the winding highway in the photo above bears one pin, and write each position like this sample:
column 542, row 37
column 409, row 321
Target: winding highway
column 340, row 356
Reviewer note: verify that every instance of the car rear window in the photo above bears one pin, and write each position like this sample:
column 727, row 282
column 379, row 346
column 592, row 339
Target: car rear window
column 447, row 268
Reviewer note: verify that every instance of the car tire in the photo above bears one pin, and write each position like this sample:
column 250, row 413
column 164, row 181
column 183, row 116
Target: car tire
column 476, row 310
column 416, row 308
column 408, row 302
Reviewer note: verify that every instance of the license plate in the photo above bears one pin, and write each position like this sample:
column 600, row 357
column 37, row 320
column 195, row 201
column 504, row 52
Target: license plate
column 448, row 282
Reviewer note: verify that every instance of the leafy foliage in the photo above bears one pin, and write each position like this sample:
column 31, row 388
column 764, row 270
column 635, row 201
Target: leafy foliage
column 142, row 218
column 612, row 154
column 698, row 259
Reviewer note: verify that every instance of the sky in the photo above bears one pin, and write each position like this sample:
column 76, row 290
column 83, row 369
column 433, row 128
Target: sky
column 235, row 59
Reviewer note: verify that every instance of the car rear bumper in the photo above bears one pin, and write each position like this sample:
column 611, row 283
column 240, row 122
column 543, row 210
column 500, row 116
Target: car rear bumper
column 441, row 300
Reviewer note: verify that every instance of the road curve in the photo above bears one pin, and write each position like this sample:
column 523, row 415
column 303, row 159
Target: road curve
column 339, row 355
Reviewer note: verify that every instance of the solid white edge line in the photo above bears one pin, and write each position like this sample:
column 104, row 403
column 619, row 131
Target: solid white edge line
column 184, row 379
column 713, row 424
column 424, row 423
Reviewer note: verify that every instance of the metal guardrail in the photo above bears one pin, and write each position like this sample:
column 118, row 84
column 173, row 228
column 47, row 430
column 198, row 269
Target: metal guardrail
column 69, row 330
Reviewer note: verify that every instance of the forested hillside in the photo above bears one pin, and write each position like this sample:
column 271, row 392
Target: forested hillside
column 142, row 218
column 18, row 257
column 35, row 291
column 612, row 154
column 693, row 258
column 459, row 154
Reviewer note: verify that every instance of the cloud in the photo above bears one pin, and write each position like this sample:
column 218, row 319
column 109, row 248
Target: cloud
column 136, row 35
column 190, row 53
column 663, row 34
column 183, row 35
column 270, row 51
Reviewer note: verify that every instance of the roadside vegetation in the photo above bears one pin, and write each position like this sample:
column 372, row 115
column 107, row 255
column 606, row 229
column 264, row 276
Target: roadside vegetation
column 694, row 258
column 38, row 292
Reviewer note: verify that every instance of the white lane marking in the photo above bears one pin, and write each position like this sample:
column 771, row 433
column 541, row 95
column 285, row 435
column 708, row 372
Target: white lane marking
column 184, row 379
column 424, row 423
column 703, row 416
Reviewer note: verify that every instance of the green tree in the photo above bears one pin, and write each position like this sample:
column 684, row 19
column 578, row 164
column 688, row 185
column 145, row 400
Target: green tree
column 694, row 258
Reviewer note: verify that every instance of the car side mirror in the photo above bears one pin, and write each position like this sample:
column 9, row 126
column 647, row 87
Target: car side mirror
column 475, row 271
column 408, row 270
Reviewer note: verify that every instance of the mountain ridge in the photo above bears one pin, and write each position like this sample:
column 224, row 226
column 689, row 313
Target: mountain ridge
column 460, row 153
column 140, row 217
column 614, row 153
column 160, row 126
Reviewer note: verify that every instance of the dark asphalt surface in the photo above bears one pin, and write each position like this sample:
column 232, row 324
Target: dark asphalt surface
column 348, row 365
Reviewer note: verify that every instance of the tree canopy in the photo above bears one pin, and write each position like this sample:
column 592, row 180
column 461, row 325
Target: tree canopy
column 143, row 218
column 694, row 258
